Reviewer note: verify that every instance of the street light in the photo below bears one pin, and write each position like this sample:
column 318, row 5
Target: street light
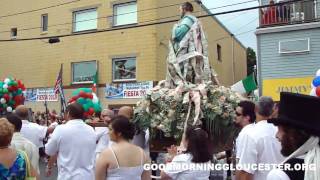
column 54, row 40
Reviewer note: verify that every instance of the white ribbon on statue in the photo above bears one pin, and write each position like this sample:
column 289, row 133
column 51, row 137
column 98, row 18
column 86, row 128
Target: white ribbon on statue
column 312, row 148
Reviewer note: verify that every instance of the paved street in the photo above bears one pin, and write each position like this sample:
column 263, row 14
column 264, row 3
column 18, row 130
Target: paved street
column 42, row 172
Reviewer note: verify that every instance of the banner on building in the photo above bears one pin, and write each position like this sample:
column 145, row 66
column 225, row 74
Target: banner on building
column 273, row 87
column 41, row 94
column 127, row 90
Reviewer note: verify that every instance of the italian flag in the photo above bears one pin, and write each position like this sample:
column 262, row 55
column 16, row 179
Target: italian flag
column 95, row 81
column 246, row 85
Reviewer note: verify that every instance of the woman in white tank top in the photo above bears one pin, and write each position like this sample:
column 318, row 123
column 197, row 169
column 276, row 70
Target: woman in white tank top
column 122, row 160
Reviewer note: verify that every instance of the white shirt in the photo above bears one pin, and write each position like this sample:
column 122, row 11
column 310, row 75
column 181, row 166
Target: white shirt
column 260, row 146
column 239, row 140
column 18, row 142
column 103, row 138
column 277, row 174
column 33, row 132
column 172, row 169
column 75, row 143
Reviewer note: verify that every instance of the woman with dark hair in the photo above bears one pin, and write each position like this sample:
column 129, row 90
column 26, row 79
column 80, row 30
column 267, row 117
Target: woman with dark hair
column 197, row 152
column 122, row 160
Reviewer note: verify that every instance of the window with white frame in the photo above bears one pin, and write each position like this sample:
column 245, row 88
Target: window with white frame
column 124, row 14
column 294, row 46
column 83, row 72
column 85, row 20
column 124, row 69
column 44, row 22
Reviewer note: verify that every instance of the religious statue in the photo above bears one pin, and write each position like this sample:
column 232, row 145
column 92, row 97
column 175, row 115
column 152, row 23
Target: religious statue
column 188, row 61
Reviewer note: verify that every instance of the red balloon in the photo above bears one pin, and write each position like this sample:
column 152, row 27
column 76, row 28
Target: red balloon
column 90, row 96
column 10, row 88
column 318, row 91
column 91, row 110
column 82, row 94
column 6, row 97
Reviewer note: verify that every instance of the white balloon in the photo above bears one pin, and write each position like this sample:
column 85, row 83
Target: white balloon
column 9, row 109
column 7, row 80
column 313, row 92
column 3, row 101
column 318, row 72
column 5, row 86
column 95, row 98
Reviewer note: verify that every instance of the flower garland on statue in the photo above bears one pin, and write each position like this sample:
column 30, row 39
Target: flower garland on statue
column 206, row 105
column 11, row 94
column 88, row 100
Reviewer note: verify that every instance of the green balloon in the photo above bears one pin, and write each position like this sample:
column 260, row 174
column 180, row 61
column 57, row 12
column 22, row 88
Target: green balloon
column 90, row 103
column 96, row 107
column 81, row 100
column 5, row 91
column 85, row 107
column 19, row 92
column 11, row 103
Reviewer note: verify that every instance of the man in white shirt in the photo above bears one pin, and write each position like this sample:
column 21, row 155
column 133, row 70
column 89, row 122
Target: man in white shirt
column 245, row 117
column 103, row 139
column 18, row 142
column 74, row 143
column 260, row 145
column 32, row 131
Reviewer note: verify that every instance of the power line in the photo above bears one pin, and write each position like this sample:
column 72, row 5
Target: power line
column 253, row 20
column 148, row 24
column 34, row 10
column 67, row 23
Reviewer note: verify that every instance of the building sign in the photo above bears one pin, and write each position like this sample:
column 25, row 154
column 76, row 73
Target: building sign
column 273, row 87
column 41, row 94
column 128, row 90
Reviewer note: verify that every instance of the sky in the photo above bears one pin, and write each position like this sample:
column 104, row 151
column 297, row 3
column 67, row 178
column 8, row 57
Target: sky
column 238, row 23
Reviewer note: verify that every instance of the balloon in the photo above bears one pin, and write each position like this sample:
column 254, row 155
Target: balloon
column 82, row 94
column 3, row 101
column 5, row 90
column 318, row 91
column 313, row 92
column 85, row 107
column 316, row 81
column 19, row 91
column 318, row 72
column 95, row 98
column 9, row 109
column 6, row 81
column 11, row 102
column 6, row 97
column 91, row 110
column 97, row 107
column 5, row 86
column 81, row 100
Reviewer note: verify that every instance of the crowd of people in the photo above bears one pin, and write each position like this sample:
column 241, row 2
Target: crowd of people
column 270, row 134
